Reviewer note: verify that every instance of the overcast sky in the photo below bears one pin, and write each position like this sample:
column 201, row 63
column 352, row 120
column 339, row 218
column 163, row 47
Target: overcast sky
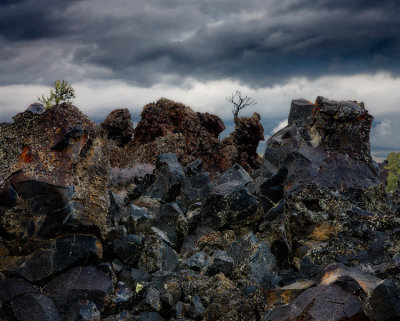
column 126, row 53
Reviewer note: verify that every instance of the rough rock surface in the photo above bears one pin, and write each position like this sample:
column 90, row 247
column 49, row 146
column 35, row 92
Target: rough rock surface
column 53, row 169
column 118, row 126
column 245, row 139
column 312, row 238
column 170, row 127
column 197, row 133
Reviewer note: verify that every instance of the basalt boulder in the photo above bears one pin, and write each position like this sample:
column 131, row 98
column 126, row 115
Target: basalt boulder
column 53, row 174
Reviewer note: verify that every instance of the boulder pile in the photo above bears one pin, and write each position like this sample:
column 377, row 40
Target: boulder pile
column 312, row 237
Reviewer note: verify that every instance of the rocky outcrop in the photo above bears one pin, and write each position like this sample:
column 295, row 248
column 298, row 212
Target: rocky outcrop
column 167, row 126
column 312, row 238
column 244, row 141
column 54, row 199
column 170, row 127
column 321, row 191
column 118, row 126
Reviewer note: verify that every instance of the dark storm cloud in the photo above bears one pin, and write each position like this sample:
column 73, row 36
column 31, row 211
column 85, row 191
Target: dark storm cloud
column 146, row 42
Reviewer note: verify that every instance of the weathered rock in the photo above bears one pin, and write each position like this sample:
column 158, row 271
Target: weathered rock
column 326, row 143
column 83, row 282
column 83, row 310
column 221, row 262
column 54, row 256
column 193, row 135
column 169, row 179
column 118, row 126
column 384, row 301
column 128, row 248
column 197, row 186
column 245, row 139
column 57, row 163
column 35, row 307
column 157, row 255
column 232, row 205
column 323, row 303
column 254, row 260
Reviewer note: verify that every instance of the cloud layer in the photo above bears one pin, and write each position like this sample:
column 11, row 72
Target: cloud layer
column 254, row 42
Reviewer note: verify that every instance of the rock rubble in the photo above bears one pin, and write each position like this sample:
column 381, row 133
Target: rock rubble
column 312, row 237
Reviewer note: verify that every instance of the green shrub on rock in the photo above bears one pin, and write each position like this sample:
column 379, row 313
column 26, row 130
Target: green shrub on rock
column 61, row 94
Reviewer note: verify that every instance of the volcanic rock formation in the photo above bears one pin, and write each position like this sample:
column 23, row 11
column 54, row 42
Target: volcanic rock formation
column 312, row 238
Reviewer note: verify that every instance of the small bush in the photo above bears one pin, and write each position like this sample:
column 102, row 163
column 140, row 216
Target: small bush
column 393, row 169
column 61, row 94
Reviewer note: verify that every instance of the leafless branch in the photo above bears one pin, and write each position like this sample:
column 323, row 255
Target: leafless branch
column 239, row 102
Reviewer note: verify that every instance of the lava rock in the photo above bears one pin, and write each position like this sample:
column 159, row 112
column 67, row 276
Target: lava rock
column 35, row 307
column 170, row 220
column 384, row 301
column 198, row 185
column 168, row 126
column 150, row 316
column 196, row 262
column 83, row 310
column 138, row 220
column 235, row 174
column 56, row 256
column 36, row 108
column 231, row 205
column 254, row 259
column 169, row 179
column 321, row 303
column 118, row 126
column 50, row 157
column 157, row 255
column 221, row 262
column 83, row 282
column 128, row 248
column 245, row 139
column 152, row 299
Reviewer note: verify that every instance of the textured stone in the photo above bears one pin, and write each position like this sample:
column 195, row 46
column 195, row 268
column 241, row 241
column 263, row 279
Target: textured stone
column 118, row 126
column 324, row 303
column 193, row 135
column 169, row 179
column 230, row 204
column 58, row 163
column 244, row 141
column 83, row 282
column 35, row 307
column 83, row 310
column 254, row 260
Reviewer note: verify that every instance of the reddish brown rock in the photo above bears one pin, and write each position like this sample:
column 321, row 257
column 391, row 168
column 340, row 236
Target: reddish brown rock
column 118, row 126
column 170, row 127
column 245, row 139
column 57, row 163
column 167, row 126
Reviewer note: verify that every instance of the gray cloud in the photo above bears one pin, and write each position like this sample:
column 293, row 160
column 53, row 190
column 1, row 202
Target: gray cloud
column 255, row 42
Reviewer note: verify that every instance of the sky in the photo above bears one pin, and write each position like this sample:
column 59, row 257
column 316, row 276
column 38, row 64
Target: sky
column 127, row 53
